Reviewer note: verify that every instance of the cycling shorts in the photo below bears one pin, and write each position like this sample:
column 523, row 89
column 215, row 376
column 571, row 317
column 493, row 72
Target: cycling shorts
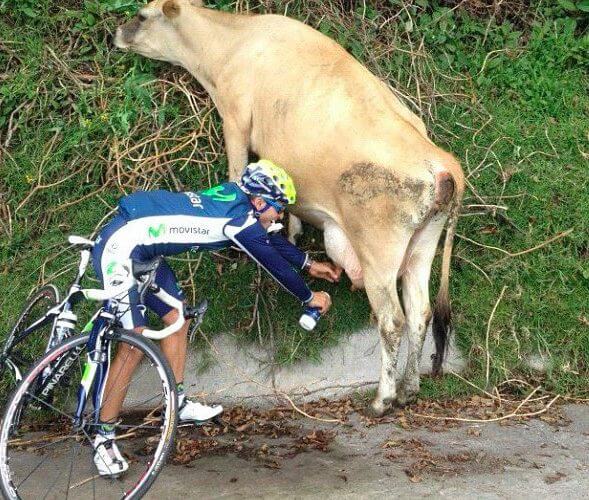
column 110, row 264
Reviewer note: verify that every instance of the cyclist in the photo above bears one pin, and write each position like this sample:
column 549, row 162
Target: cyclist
column 160, row 223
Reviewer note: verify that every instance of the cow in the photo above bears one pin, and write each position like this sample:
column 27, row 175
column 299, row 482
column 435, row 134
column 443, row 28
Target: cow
column 366, row 172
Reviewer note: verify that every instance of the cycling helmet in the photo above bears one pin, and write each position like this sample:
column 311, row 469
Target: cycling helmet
column 267, row 180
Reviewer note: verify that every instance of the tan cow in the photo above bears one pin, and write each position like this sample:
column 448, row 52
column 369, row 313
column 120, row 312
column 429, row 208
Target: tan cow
column 365, row 170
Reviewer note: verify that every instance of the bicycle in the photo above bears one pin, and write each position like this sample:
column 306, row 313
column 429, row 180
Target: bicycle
column 52, row 416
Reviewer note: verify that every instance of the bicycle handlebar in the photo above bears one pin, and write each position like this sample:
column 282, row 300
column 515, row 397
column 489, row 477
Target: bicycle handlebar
column 101, row 295
column 120, row 290
column 174, row 327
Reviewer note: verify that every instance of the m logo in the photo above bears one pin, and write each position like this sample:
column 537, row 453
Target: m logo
column 156, row 232
column 217, row 196
column 111, row 267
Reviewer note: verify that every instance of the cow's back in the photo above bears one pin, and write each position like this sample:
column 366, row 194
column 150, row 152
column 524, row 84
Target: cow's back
column 310, row 91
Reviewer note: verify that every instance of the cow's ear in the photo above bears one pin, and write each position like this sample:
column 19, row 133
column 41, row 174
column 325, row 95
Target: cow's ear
column 171, row 9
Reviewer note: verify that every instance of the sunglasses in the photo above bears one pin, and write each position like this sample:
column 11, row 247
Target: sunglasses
column 279, row 207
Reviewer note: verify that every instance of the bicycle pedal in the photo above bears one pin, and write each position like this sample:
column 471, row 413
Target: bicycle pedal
column 200, row 423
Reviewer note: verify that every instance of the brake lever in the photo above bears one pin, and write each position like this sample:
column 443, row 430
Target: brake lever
column 197, row 314
column 147, row 286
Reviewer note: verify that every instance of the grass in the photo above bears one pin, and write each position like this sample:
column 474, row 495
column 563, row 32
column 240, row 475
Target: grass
column 82, row 124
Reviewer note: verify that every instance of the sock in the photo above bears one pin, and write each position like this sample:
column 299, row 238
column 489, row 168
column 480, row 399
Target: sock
column 181, row 394
column 106, row 430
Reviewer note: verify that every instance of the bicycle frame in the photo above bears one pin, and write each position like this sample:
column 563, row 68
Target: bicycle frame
column 103, row 327
column 98, row 350
column 97, row 364
column 52, row 315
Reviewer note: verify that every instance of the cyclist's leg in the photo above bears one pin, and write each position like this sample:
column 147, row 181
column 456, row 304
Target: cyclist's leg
column 174, row 347
column 110, row 257
column 123, row 365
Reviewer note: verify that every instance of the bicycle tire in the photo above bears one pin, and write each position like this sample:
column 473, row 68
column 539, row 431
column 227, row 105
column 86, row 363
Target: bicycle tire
column 18, row 401
column 47, row 297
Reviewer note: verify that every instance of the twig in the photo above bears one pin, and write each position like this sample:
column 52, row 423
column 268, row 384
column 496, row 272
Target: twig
column 298, row 410
column 548, row 241
column 481, row 245
column 473, row 385
column 488, row 365
column 501, row 217
column 10, row 129
column 516, row 254
column 243, row 376
column 495, row 419
column 478, row 268
column 550, row 142
column 84, row 481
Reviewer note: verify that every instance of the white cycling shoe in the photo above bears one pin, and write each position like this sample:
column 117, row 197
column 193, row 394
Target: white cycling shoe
column 107, row 457
column 197, row 413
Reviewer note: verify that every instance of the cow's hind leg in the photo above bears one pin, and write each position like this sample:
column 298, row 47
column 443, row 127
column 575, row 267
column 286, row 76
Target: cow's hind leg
column 415, row 284
column 380, row 278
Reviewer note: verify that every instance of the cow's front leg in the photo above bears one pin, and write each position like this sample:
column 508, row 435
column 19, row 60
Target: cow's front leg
column 237, row 146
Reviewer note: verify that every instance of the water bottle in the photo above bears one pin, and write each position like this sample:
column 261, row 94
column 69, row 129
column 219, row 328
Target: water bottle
column 65, row 325
column 309, row 318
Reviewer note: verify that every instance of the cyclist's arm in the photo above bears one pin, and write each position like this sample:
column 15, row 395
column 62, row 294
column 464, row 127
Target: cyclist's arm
column 290, row 252
column 250, row 236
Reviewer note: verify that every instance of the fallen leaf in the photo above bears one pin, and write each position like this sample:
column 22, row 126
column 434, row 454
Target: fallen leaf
column 553, row 479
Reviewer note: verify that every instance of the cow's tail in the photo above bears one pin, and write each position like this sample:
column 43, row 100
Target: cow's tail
column 442, row 314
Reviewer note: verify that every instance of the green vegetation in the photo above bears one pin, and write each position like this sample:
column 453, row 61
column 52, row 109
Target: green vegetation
column 505, row 90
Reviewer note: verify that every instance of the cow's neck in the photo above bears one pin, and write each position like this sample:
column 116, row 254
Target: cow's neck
column 211, row 37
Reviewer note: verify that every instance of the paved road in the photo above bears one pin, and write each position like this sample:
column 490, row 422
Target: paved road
column 533, row 459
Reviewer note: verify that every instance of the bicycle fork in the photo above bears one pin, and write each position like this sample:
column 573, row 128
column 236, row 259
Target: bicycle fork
column 95, row 373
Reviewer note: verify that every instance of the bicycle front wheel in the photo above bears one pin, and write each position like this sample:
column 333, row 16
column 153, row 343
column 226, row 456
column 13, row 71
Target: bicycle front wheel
column 45, row 452
column 21, row 353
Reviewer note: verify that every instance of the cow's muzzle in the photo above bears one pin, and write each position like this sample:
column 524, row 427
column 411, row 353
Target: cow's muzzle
column 126, row 34
column 118, row 40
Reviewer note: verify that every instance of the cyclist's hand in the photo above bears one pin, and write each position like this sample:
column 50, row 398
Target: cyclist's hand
column 326, row 271
column 322, row 300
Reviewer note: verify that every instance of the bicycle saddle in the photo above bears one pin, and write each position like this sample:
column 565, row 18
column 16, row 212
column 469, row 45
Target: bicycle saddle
column 141, row 269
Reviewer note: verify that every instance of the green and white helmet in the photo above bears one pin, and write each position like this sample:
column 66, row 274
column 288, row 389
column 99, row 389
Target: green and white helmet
column 264, row 178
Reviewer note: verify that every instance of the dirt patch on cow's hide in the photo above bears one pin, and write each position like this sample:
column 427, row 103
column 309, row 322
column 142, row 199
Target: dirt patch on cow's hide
column 364, row 181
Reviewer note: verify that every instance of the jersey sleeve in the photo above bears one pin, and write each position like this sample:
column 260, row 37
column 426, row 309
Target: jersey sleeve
column 290, row 252
column 250, row 236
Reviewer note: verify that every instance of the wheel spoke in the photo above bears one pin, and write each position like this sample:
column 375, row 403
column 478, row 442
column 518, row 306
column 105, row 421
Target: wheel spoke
column 50, row 406
column 69, row 478
column 46, row 454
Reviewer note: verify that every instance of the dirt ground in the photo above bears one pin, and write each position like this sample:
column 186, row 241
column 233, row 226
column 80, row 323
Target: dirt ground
column 279, row 453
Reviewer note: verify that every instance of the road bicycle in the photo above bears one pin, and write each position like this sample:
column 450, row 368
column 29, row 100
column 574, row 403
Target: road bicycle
column 49, row 424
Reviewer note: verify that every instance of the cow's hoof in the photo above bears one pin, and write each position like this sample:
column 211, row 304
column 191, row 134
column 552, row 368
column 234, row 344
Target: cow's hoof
column 405, row 398
column 378, row 408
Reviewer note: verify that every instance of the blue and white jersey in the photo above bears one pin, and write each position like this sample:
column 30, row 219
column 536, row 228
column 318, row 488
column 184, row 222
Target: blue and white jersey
column 164, row 223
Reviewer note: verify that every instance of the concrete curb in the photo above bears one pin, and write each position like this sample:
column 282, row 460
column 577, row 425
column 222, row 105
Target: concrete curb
column 246, row 374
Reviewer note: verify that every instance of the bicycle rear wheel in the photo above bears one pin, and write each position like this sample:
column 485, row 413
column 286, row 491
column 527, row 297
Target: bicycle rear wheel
column 21, row 355
column 44, row 455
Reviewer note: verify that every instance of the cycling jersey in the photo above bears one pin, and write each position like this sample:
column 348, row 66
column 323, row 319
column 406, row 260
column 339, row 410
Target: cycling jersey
column 152, row 223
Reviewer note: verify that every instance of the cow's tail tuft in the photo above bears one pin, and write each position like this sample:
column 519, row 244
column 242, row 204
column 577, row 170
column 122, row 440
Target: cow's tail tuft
column 442, row 314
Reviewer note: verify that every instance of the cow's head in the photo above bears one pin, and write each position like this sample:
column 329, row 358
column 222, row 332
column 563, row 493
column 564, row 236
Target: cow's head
column 154, row 32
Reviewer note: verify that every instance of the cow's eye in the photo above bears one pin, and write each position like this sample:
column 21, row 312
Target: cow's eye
column 141, row 17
